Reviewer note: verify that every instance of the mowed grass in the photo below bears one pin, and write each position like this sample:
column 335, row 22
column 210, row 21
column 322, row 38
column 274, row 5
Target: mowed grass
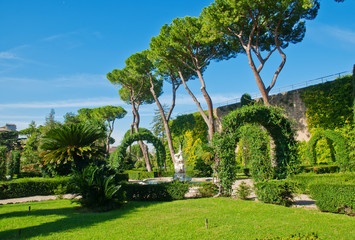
column 185, row 219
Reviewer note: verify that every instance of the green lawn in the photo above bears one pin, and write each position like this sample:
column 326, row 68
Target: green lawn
column 185, row 219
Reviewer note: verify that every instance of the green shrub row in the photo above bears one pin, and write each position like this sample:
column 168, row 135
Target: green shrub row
column 304, row 180
column 320, row 169
column 276, row 191
column 140, row 175
column 143, row 174
column 334, row 197
column 25, row 187
column 156, row 192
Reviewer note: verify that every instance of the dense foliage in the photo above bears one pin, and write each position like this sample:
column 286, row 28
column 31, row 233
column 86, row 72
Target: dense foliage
column 276, row 192
column 156, row 192
column 304, row 180
column 73, row 145
column 336, row 141
column 334, row 197
column 329, row 105
column 99, row 188
column 254, row 151
column 25, row 187
column 118, row 157
column 277, row 125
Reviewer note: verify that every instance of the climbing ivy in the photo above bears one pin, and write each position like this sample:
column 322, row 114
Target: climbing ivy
column 117, row 158
column 254, row 151
column 279, row 128
column 335, row 140
column 329, row 105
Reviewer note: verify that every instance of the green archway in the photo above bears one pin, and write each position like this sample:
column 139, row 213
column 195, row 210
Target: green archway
column 277, row 125
column 334, row 138
column 117, row 158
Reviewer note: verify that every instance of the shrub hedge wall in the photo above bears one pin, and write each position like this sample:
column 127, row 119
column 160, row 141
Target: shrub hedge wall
column 25, row 187
column 334, row 197
column 156, row 192
column 276, row 191
column 320, row 169
column 306, row 179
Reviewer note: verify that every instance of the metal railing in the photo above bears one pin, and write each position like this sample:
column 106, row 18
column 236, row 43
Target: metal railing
column 292, row 87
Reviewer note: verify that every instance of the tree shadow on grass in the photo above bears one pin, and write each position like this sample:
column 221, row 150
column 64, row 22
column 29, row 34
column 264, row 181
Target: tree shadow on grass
column 74, row 218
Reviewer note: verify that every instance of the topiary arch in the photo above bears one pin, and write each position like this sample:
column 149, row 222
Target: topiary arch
column 279, row 128
column 117, row 158
column 336, row 138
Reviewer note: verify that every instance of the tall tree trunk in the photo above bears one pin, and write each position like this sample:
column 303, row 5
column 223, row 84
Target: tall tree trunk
column 259, row 81
column 203, row 114
column 143, row 147
column 165, row 119
column 208, row 99
column 111, row 127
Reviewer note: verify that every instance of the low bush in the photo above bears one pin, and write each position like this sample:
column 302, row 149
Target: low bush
column 99, row 187
column 243, row 191
column 334, row 197
column 156, row 192
column 276, row 191
column 208, row 189
column 304, row 180
column 25, row 187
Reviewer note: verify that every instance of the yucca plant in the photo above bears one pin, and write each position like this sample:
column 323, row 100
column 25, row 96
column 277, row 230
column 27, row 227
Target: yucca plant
column 74, row 144
column 98, row 187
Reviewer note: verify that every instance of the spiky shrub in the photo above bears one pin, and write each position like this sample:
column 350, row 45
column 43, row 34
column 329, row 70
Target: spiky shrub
column 99, row 188
column 74, row 144
column 243, row 191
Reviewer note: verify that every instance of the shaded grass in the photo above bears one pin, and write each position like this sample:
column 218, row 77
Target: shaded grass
column 184, row 219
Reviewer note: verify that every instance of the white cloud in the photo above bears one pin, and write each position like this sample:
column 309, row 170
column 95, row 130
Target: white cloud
column 345, row 35
column 8, row 56
column 59, row 36
column 80, row 103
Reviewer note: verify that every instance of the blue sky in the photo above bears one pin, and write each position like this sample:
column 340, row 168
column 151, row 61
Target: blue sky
column 56, row 54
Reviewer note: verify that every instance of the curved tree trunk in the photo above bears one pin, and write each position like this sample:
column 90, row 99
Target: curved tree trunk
column 207, row 120
column 144, row 148
column 165, row 119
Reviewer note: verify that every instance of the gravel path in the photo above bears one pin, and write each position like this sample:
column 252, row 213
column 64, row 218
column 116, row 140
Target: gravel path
column 34, row 199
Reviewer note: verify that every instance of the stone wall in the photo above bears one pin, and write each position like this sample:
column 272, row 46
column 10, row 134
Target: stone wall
column 291, row 101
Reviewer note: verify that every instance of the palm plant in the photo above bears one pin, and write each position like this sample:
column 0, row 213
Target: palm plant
column 74, row 144
column 99, row 188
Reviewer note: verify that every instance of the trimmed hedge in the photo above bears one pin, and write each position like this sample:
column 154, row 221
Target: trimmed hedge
column 25, row 187
column 142, row 174
column 276, row 192
column 156, row 192
column 306, row 179
column 334, row 197
column 320, row 169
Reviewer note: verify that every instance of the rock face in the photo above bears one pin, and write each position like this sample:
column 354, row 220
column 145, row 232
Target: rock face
column 291, row 101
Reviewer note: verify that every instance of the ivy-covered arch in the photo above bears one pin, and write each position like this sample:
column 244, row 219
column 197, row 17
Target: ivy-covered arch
column 117, row 158
column 336, row 139
column 274, row 121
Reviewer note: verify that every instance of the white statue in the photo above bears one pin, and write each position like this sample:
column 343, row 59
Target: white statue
column 179, row 165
